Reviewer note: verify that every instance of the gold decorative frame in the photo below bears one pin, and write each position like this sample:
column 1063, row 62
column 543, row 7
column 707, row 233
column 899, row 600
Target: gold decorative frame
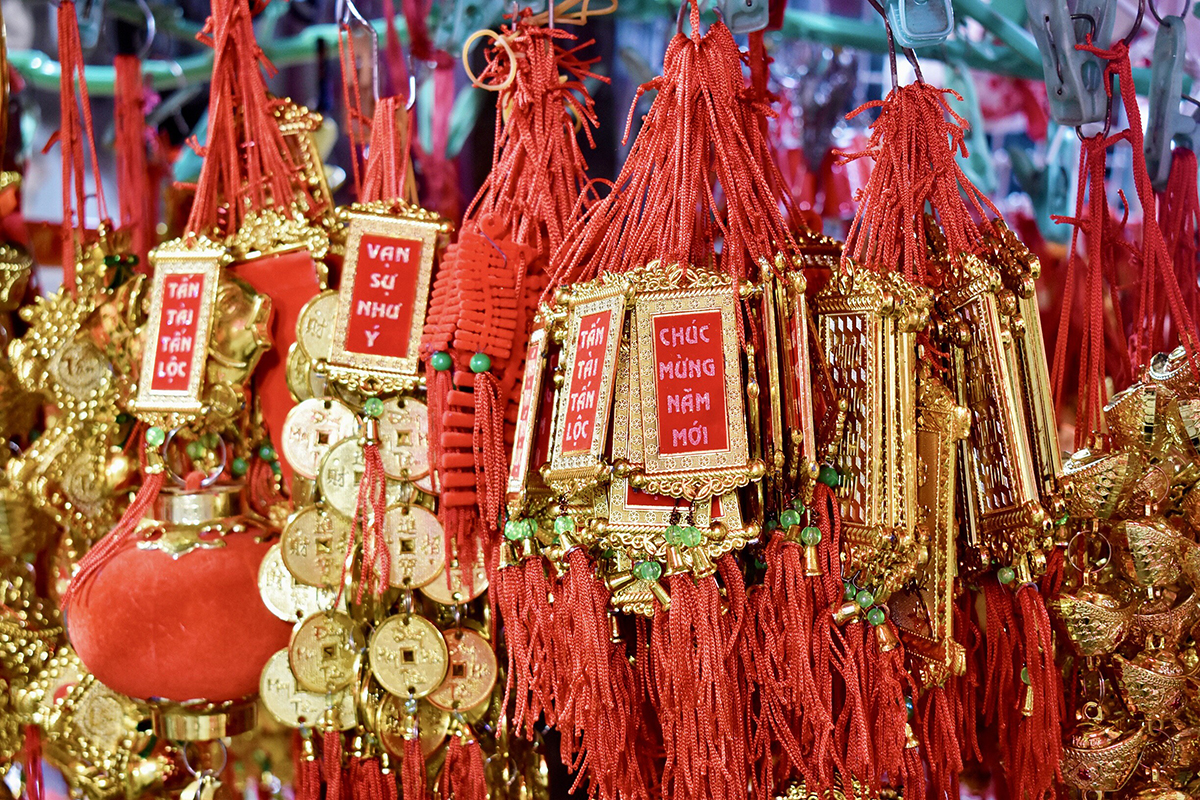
column 177, row 258
column 365, row 370
column 692, row 475
column 525, row 437
column 649, row 521
column 570, row 471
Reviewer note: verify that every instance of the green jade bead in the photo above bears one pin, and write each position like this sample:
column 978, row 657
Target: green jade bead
column 373, row 407
column 864, row 598
column 811, row 535
column 789, row 518
column 849, row 590
column 876, row 616
column 514, row 530
column 648, row 570
column 239, row 467
column 266, row 453
column 691, row 536
column 673, row 534
column 441, row 361
column 195, row 451
column 155, row 436
column 480, row 362
column 1006, row 575
column 829, row 476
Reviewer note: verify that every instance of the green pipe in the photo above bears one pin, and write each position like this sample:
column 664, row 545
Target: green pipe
column 845, row 32
column 1016, row 37
column 43, row 72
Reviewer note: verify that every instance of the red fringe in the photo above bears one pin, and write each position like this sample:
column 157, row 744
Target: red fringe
column 368, row 517
column 308, row 771
column 412, row 771
column 939, row 737
column 462, row 775
column 510, row 601
column 332, row 753
column 704, row 735
column 491, row 456
column 137, row 190
column 1034, row 758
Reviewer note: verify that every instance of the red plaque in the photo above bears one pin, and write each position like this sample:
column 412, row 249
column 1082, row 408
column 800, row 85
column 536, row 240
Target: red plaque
column 527, row 416
column 178, row 324
column 583, row 396
column 175, row 348
column 689, row 373
column 379, row 320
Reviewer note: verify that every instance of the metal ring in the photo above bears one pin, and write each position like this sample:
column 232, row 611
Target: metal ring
column 1187, row 4
column 187, row 764
column 209, row 478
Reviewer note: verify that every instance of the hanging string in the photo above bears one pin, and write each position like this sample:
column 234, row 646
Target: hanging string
column 388, row 174
column 137, row 191
column 1157, row 268
column 76, row 134
column 1179, row 220
column 356, row 120
column 915, row 142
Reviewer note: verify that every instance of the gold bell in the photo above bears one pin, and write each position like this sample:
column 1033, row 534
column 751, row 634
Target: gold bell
column 508, row 555
column 846, row 612
column 660, row 594
column 702, row 565
column 675, row 562
column 812, row 562
column 618, row 580
column 885, row 638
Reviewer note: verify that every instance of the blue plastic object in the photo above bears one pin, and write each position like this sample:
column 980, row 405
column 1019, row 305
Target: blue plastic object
column 1074, row 79
column 917, row 23
column 1164, row 122
column 745, row 16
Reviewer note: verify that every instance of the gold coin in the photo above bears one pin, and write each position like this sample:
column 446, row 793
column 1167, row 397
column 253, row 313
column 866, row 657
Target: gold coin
column 432, row 725
column 450, row 588
column 297, row 372
column 311, row 428
column 295, row 707
column 416, row 541
column 340, row 474
column 324, row 652
column 471, row 675
column 283, row 595
column 408, row 655
column 81, row 369
column 314, row 328
column 314, row 547
column 404, row 439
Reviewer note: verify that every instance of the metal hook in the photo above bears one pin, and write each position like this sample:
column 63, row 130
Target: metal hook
column 347, row 13
column 1182, row 14
column 891, row 40
column 550, row 12
column 153, row 29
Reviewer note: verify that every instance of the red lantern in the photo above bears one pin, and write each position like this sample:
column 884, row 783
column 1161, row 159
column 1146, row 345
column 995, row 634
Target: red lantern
column 176, row 614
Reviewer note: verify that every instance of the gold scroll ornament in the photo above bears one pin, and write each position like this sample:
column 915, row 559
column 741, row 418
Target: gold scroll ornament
column 868, row 324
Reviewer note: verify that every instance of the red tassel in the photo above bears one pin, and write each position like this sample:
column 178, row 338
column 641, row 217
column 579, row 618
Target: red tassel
column 966, row 686
column 510, row 600
column 387, row 779
column 308, row 771
column 462, row 775
column 542, row 654
column 388, row 171
column 137, row 191
column 75, row 133
column 704, row 735
column 889, row 711
column 107, row 548
column 939, row 737
column 1034, row 760
column 250, row 169
column 412, row 770
column 1179, row 219
column 332, row 752
column 368, row 517
column 31, row 763
column 491, row 456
